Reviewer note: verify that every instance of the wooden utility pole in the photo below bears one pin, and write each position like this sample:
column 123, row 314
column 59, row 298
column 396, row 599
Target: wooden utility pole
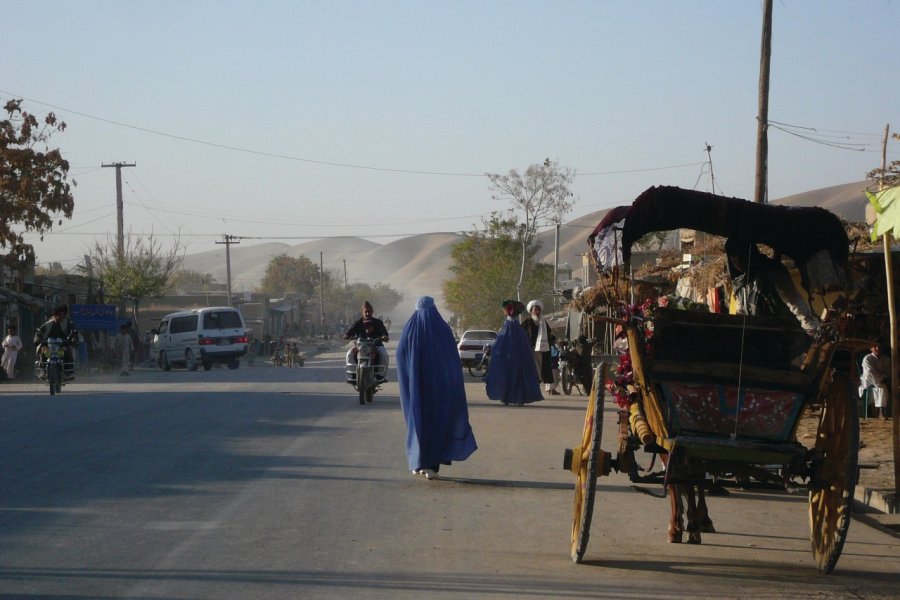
column 229, row 239
column 892, row 316
column 321, row 292
column 761, row 194
column 120, row 219
column 120, row 222
column 712, row 178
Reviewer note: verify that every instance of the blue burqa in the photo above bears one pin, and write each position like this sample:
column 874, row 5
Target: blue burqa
column 512, row 375
column 432, row 392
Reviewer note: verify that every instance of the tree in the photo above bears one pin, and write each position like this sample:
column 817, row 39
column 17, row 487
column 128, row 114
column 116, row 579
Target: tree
column 286, row 274
column 142, row 272
column 382, row 296
column 485, row 266
column 188, row 280
column 34, row 191
column 542, row 194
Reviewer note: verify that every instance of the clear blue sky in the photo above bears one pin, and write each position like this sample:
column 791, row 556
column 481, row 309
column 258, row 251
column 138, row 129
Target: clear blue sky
column 380, row 118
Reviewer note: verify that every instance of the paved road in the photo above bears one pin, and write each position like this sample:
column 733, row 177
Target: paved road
column 275, row 483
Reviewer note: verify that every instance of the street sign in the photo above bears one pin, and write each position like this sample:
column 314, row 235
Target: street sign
column 94, row 316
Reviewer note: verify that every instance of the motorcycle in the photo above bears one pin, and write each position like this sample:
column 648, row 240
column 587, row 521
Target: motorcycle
column 52, row 367
column 367, row 374
column 480, row 368
column 569, row 360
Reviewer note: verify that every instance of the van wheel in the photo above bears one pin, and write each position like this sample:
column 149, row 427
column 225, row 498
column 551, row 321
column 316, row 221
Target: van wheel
column 207, row 365
column 164, row 361
column 189, row 361
column 234, row 364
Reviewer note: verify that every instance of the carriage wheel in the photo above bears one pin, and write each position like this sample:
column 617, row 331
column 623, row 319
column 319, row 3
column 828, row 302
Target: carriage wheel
column 587, row 461
column 837, row 442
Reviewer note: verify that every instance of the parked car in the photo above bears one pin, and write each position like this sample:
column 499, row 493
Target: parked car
column 471, row 345
column 200, row 337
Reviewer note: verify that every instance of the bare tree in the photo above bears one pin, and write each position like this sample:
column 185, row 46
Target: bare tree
column 541, row 193
column 143, row 271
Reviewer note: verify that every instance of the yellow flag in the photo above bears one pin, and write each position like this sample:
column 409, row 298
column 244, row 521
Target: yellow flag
column 887, row 212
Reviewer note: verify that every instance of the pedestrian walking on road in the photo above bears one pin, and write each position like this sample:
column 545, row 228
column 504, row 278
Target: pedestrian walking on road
column 432, row 392
column 123, row 346
column 512, row 377
column 11, row 346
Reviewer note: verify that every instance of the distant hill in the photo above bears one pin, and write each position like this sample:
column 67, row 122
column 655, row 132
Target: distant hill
column 418, row 265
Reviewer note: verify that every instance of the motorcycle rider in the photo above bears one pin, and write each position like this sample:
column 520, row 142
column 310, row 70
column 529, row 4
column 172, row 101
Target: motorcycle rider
column 369, row 326
column 59, row 326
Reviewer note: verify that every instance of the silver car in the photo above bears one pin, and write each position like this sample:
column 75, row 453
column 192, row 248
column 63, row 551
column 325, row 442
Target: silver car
column 471, row 345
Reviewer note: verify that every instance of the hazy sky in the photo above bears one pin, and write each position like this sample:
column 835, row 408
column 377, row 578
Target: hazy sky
column 308, row 119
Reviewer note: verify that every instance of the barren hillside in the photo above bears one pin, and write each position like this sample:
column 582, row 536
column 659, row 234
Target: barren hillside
column 419, row 264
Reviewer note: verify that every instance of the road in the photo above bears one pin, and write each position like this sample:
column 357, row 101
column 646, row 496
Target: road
column 275, row 483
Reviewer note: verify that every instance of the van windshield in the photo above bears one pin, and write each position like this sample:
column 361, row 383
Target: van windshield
column 222, row 319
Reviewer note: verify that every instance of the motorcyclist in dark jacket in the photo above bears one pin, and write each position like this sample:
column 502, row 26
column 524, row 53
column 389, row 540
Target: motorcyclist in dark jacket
column 369, row 326
column 61, row 327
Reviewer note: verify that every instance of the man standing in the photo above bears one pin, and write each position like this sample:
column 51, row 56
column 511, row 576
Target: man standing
column 123, row 347
column 541, row 339
column 11, row 346
column 873, row 377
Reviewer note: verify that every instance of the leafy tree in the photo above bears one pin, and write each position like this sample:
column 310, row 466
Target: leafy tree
column 34, row 191
column 189, row 280
column 288, row 274
column 542, row 194
column 486, row 266
column 382, row 296
column 142, row 272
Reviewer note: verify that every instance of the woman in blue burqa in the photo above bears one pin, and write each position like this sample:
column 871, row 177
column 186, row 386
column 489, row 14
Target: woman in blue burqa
column 432, row 392
column 512, row 375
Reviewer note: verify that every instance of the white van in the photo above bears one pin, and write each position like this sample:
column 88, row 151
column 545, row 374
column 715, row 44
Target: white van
column 200, row 337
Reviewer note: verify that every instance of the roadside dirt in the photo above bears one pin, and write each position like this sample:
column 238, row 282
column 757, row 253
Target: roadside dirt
column 876, row 453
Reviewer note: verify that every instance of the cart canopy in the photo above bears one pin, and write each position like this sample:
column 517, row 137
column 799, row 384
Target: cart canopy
column 811, row 236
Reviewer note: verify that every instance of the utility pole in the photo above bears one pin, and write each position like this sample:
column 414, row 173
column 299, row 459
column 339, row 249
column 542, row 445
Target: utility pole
column 120, row 219
column 712, row 178
column 894, row 396
column 762, row 120
column 120, row 222
column 346, row 295
column 229, row 239
column 556, row 260
column 321, row 293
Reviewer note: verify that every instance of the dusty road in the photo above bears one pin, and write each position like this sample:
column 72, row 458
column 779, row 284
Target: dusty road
column 276, row 483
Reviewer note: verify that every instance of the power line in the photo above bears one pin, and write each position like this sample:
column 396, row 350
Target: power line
column 311, row 160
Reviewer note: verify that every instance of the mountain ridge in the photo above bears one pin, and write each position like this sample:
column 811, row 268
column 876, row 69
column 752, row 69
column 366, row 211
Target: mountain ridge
column 419, row 264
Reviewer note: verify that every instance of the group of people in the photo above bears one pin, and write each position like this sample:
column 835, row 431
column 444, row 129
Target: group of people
column 432, row 390
column 286, row 353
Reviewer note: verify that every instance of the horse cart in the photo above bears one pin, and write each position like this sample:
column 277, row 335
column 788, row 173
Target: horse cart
column 718, row 397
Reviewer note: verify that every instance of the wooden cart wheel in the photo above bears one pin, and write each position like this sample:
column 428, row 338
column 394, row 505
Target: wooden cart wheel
column 837, row 442
column 587, row 462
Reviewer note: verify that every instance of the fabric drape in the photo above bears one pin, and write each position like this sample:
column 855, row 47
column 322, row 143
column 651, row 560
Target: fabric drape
column 432, row 392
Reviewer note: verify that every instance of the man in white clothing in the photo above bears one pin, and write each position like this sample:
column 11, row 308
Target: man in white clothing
column 873, row 378
column 11, row 346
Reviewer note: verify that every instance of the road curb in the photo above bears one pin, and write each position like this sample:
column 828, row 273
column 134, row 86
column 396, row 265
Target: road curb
column 884, row 501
